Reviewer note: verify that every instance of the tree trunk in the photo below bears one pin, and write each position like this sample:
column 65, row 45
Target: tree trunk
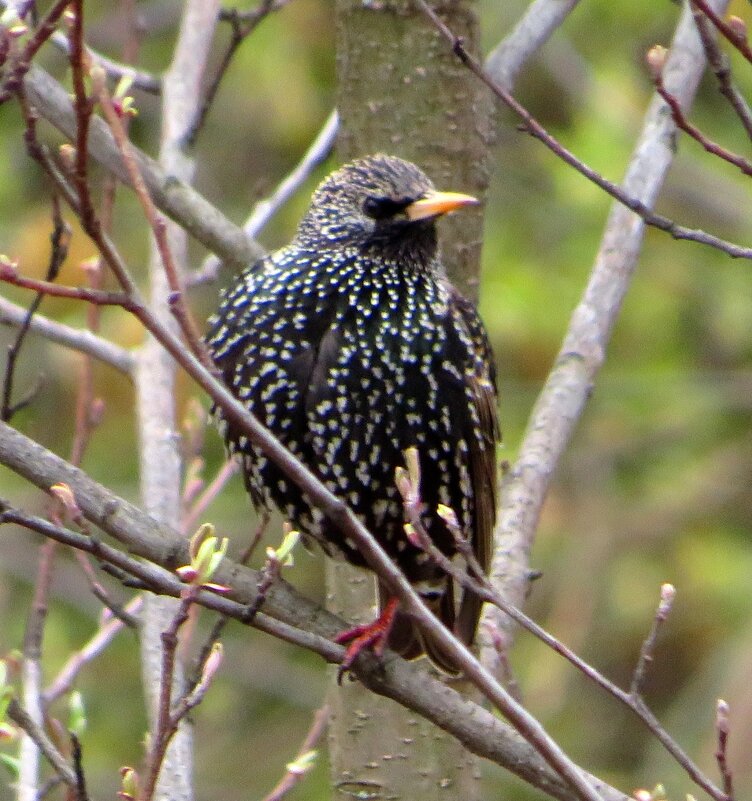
column 401, row 92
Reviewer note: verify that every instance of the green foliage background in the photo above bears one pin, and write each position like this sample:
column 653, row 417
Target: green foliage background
column 655, row 486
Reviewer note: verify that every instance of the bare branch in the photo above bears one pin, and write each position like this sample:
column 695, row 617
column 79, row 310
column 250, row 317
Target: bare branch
column 144, row 81
column 738, row 41
column 695, row 133
column 69, row 337
column 243, row 25
column 535, row 129
column 28, row 771
column 59, row 239
column 303, row 623
column 174, row 197
column 36, row 733
column 157, row 225
column 722, row 728
column 568, row 386
column 265, row 209
column 292, row 777
column 63, row 682
column 21, row 62
column 719, row 63
column 646, row 652
column 535, row 27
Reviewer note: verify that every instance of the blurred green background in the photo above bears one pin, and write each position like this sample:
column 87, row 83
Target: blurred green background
column 655, row 486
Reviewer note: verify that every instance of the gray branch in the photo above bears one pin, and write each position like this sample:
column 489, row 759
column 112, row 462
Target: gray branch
column 83, row 341
column 407, row 683
column 174, row 197
column 533, row 30
column 563, row 398
column 265, row 209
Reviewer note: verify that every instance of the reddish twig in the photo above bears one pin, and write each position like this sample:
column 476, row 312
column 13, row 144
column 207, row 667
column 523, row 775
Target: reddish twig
column 243, row 24
column 63, row 184
column 108, row 629
column 157, row 224
column 9, row 275
column 738, row 41
column 719, row 63
column 685, row 125
column 167, row 720
column 293, row 776
column 84, row 107
column 22, row 61
column 224, row 474
column 722, row 728
column 648, row 646
column 476, row 581
column 59, row 239
column 536, row 130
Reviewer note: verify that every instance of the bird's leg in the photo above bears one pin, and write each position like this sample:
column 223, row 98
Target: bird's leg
column 374, row 634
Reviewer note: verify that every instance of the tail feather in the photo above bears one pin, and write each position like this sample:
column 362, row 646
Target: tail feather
column 408, row 640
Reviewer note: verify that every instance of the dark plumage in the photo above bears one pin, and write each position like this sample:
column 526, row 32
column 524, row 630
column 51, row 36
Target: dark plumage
column 351, row 345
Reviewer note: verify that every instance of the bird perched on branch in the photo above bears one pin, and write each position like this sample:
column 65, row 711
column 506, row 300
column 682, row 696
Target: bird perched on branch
column 352, row 347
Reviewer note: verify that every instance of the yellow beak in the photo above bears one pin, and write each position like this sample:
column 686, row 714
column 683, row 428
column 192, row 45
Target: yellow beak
column 434, row 204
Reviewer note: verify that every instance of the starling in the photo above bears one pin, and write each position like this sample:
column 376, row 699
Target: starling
column 351, row 346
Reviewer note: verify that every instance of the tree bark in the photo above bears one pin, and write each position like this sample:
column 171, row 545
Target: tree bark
column 400, row 92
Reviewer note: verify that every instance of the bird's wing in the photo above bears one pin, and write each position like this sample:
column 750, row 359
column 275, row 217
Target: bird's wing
column 482, row 458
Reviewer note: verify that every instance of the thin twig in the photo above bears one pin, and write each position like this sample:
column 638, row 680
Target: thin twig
column 294, row 774
column 265, row 209
column 84, row 107
column 59, row 240
column 739, row 42
column 536, row 130
column 693, row 131
column 224, row 474
column 719, row 63
column 76, row 339
column 9, row 275
column 243, row 24
column 37, row 734
column 144, row 81
column 215, row 633
column 28, row 770
column 648, row 646
column 167, row 723
column 21, row 63
column 108, row 629
column 305, row 624
column 174, row 197
column 100, row 593
column 157, row 224
column 341, row 516
column 722, row 728
column 68, row 191
column 78, row 767
column 483, row 588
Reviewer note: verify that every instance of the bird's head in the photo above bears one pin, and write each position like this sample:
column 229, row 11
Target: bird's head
column 379, row 204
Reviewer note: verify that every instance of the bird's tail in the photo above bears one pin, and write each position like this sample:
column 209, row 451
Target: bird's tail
column 406, row 638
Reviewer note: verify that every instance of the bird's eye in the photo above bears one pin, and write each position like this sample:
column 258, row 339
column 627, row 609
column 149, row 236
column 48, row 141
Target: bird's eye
column 381, row 208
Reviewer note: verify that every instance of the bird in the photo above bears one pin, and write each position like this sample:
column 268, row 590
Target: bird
column 351, row 346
